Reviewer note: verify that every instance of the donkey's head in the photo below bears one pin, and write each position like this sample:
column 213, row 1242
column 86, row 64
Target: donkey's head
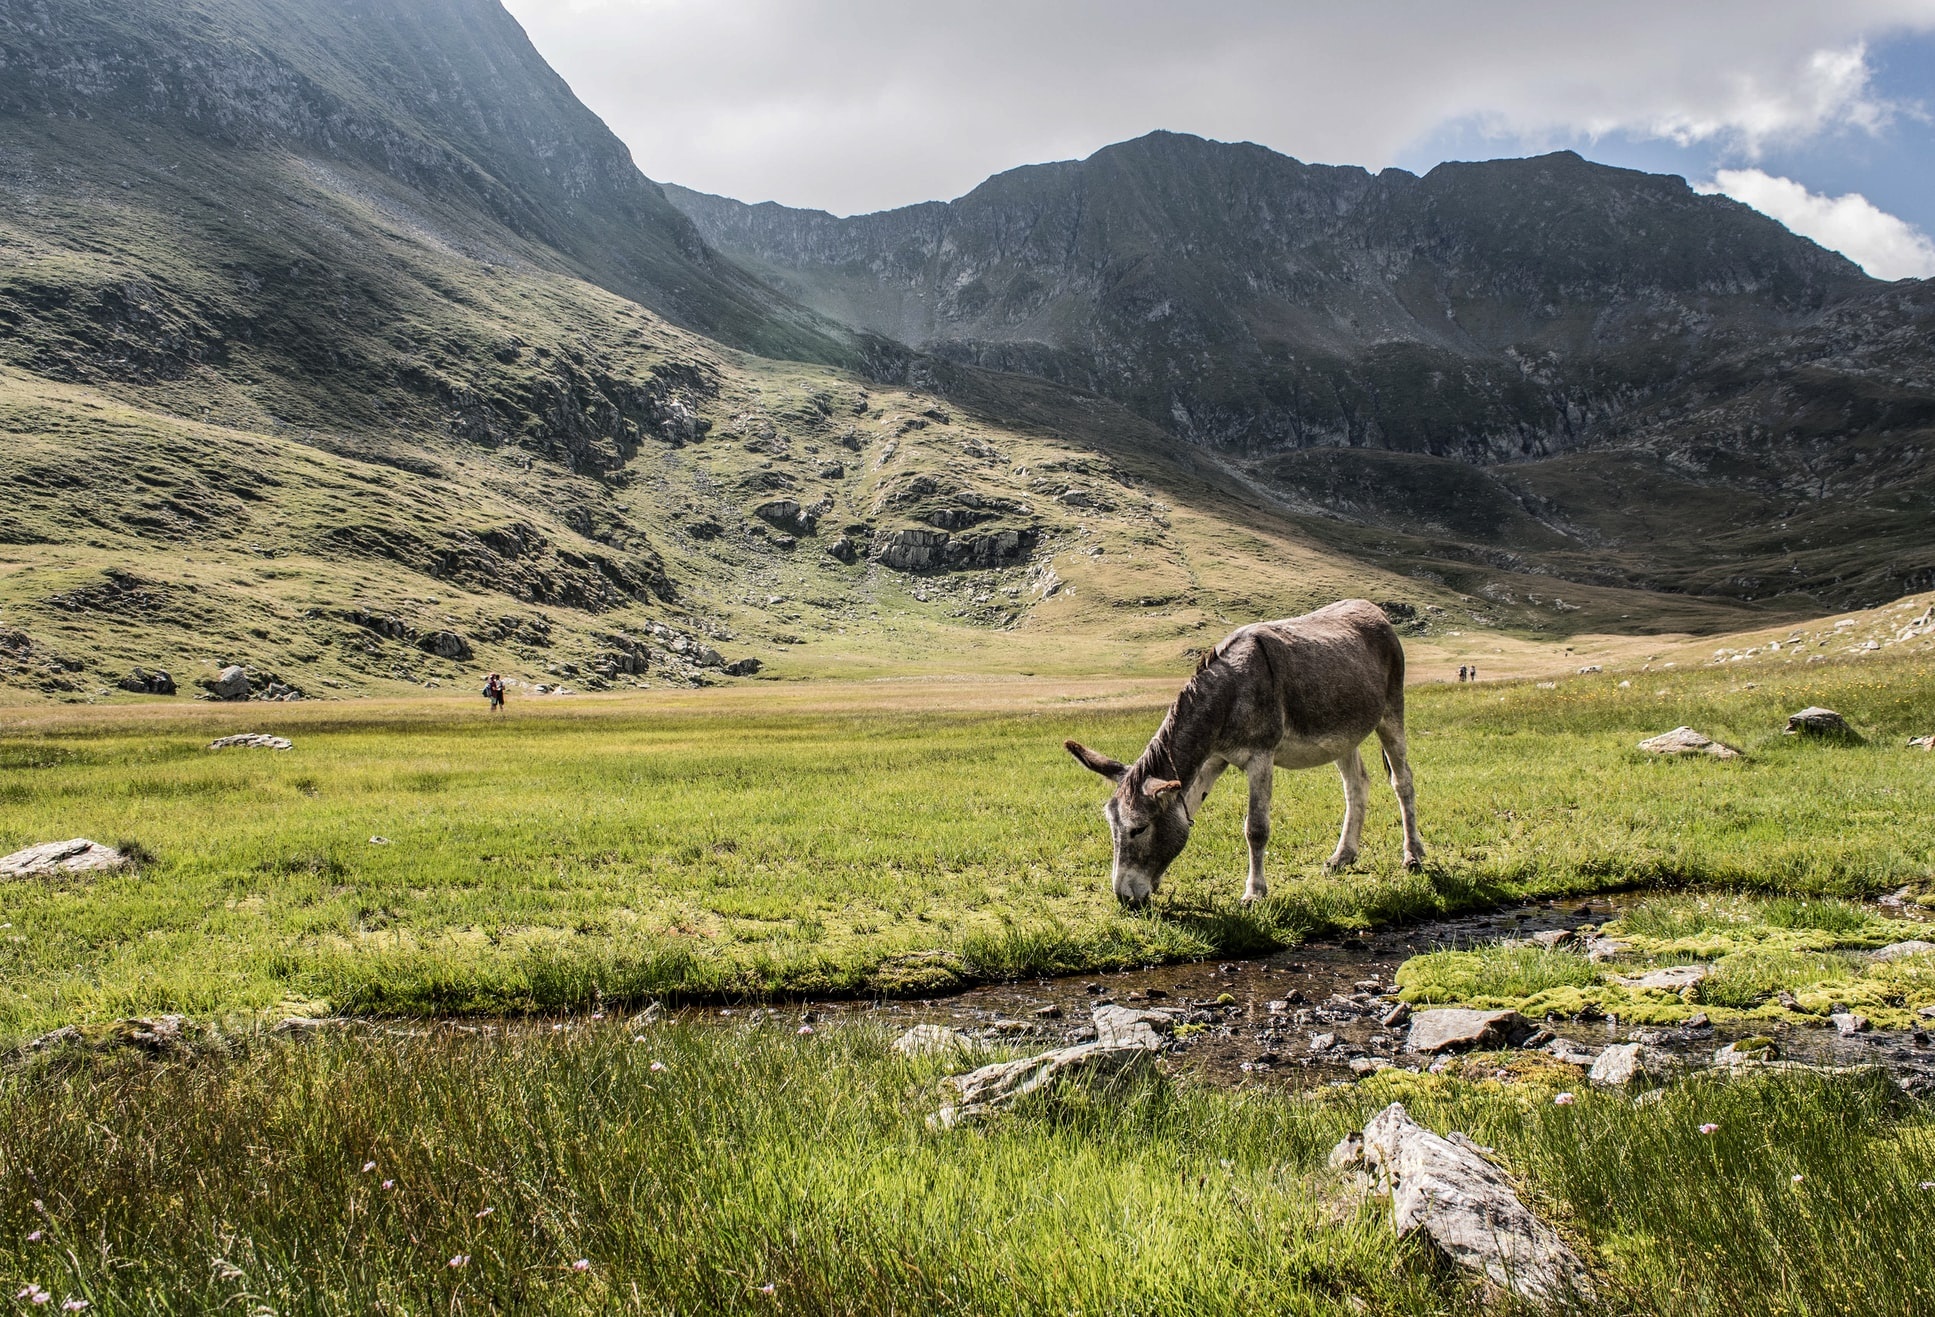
column 1147, row 822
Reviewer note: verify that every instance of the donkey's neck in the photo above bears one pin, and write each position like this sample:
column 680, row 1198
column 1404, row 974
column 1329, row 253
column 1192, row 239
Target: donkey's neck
column 1182, row 745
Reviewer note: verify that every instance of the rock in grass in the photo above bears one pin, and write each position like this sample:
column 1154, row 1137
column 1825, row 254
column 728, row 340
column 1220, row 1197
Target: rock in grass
column 231, row 683
column 157, row 1035
column 1849, row 1023
column 1748, row 1051
column 1686, row 741
column 1823, row 723
column 1454, row 1029
column 980, row 1093
column 1468, row 1209
column 1396, row 1016
column 56, row 857
column 1623, row 1064
column 1921, row 743
column 1674, row 978
column 1602, row 949
column 252, row 741
column 1896, row 950
column 932, row 1040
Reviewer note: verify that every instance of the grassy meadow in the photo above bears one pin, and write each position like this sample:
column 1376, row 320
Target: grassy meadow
column 875, row 837
column 693, row 1169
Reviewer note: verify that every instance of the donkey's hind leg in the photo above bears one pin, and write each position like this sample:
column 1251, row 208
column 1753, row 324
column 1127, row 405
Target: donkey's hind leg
column 1390, row 733
column 1357, row 792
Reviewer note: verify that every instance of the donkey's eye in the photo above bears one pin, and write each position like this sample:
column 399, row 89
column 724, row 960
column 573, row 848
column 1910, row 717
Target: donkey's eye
column 1138, row 830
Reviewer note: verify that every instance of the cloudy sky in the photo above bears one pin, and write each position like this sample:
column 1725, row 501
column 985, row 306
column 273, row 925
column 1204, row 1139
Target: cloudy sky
column 1819, row 112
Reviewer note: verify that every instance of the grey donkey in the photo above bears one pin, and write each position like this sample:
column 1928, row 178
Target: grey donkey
column 1290, row 694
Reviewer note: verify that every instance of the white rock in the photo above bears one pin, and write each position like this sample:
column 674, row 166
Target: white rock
column 77, row 856
column 1627, row 1063
column 1850, row 1023
column 1455, row 1029
column 1468, row 1209
column 1896, row 950
column 252, row 741
column 1686, row 741
column 970, row 1097
column 1125, row 1026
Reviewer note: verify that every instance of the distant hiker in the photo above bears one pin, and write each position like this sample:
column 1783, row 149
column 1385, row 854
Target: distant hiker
column 494, row 692
column 1462, row 676
column 1474, row 672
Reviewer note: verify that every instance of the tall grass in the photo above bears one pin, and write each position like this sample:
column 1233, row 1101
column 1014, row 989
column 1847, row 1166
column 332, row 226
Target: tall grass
column 756, row 1157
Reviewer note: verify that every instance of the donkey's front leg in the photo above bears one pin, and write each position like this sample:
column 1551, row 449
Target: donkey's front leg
column 1261, row 771
column 1357, row 791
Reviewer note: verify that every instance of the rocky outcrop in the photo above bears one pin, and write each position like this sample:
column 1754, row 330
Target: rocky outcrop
column 1467, row 1207
column 1622, row 1064
column 143, row 682
column 1125, row 1026
column 60, row 857
column 445, row 644
column 922, row 549
column 231, row 683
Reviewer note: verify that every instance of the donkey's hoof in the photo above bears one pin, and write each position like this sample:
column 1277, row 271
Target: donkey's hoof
column 1414, row 863
column 1341, row 860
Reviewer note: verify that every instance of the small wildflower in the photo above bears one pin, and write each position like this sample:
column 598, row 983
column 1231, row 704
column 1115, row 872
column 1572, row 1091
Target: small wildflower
column 368, row 1167
column 486, row 1212
column 767, row 1288
column 638, row 1037
column 1708, row 1128
column 459, row 1260
column 389, row 1184
column 805, row 1030
column 597, row 1015
column 1794, row 1179
column 657, row 1066
column 73, row 1305
column 35, row 1236
column 582, row 1264
column 1564, row 1100
column 1926, row 1184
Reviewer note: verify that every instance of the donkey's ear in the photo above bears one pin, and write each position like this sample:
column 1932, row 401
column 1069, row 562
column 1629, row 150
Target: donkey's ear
column 1095, row 763
column 1160, row 789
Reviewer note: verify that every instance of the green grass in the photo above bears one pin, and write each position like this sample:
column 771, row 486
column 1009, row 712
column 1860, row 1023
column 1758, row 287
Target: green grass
column 865, row 839
column 756, row 1157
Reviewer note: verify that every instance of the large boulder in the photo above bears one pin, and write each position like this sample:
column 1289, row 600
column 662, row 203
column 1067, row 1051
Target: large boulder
column 1825, row 724
column 251, row 741
column 231, row 683
column 143, row 682
column 1455, row 1029
column 1468, row 1209
column 57, row 857
column 1686, row 741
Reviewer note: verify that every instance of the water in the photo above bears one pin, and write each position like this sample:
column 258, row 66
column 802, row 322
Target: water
column 1256, row 1019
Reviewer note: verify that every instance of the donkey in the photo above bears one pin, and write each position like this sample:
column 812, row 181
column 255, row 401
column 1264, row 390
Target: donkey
column 1290, row 694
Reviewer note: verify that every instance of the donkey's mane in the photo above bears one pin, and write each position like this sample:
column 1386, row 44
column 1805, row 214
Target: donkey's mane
column 1158, row 758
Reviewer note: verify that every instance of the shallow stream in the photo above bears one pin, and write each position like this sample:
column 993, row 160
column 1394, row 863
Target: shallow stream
column 1256, row 1020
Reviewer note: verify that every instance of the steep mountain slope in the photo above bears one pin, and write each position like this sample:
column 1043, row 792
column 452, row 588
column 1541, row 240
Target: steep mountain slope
column 445, row 96
column 1581, row 370
column 338, row 341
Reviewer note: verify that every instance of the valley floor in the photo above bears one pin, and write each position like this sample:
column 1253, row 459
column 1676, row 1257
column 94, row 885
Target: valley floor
column 579, row 857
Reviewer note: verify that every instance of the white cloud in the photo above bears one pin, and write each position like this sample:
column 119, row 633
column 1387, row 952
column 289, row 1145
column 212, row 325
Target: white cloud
column 1884, row 245
column 861, row 104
